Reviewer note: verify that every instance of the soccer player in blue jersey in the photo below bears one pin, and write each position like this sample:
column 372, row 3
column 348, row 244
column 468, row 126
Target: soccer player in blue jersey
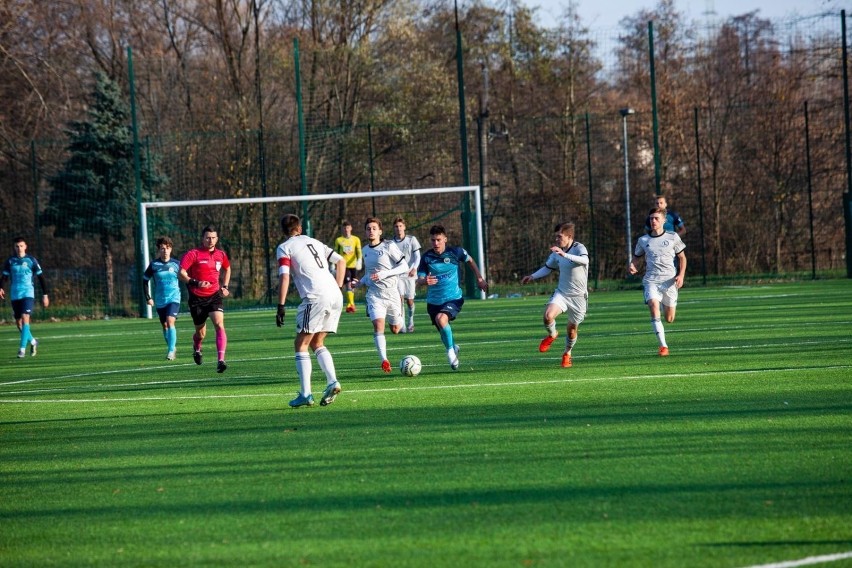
column 439, row 270
column 21, row 268
column 164, row 271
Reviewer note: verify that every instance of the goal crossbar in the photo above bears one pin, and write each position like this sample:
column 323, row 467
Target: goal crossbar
column 474, row 189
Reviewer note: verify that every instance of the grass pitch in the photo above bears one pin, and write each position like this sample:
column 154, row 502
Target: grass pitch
column 733, row 451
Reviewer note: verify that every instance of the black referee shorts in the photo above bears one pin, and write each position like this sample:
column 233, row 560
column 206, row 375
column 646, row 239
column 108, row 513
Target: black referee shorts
column 200, row 307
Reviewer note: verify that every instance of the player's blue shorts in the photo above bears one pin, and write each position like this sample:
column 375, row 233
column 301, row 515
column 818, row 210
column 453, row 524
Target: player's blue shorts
column 451, row 308
column 168, row 311
column 22, row 306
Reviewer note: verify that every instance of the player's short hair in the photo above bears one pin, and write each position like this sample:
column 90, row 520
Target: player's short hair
column 438, row 230
column 289, row 223
column 19, row 240
column 566, row 229
column 375, row 220
column 209, row 229
column 345, row 223
column 661, row 210
column 399, row 220
column 165, row 241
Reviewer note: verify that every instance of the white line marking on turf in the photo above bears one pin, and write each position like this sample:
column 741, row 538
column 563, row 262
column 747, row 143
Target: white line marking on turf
column 408, row 348
column 365, row 350
column 806, row 561
column 425, row 387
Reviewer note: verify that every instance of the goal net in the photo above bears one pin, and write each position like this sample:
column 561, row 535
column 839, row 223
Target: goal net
column 249, row 228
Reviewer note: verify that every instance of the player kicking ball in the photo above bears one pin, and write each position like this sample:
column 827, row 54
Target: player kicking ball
column 571, row 296
column 439, row 270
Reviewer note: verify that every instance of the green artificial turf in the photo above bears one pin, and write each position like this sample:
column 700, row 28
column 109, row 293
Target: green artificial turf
column 733, row 451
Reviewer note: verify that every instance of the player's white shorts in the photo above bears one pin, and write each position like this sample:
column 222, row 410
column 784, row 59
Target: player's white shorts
column 664, row 292
column 385, row 305
column 574, row 306
column 319, row 315
column 407, row 287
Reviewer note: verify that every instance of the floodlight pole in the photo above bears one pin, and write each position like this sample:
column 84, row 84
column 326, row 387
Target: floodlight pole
column 625, row 112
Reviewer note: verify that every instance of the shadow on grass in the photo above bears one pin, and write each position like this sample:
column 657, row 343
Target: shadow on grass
column 619, row 455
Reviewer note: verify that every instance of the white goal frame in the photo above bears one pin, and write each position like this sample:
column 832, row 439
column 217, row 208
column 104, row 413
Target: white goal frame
column 473, row 189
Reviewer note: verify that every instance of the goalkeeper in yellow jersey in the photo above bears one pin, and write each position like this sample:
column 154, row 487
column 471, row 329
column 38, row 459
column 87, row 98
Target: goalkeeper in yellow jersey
column 348, row 246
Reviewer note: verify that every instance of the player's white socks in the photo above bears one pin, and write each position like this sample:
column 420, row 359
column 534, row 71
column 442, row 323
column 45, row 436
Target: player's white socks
column 551, row 329
column 569, row 344
column 451, row 355
column 661, row 333
column 303, row 368
column 381, row 345
column 411, row 315
column 326, row 363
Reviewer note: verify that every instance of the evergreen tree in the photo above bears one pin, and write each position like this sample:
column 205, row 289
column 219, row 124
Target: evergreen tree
column 94, row 195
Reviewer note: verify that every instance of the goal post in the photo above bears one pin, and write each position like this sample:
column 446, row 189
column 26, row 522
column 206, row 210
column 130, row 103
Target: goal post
column 469, row 189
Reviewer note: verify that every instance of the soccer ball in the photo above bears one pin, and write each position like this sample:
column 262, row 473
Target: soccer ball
column 410, row 366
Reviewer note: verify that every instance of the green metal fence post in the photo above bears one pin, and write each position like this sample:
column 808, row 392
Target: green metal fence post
column 810, row 192
column 467, row 219
column 700, row 199
column 303, row 174
column 594, row 235
column 36, row 222
column 261, row 151
column 847, row 197
column 144, row 308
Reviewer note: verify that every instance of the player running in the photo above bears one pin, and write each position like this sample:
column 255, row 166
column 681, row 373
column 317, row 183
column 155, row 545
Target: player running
column 410, row 247
column 660, row 247
column 383, row 263
column 571, row 296
column 306, row 261
column 164, row 271
column 439, row 269
column 201, row 268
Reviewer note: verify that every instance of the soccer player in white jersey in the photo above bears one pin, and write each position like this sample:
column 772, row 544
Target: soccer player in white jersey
column 383, row 263
column 661, row 281
column 410, row 247
column 571, row 296
column 306, row 261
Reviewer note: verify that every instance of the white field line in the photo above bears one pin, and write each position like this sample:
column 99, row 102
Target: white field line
column 806, row 561
column 839, row 324
column 667, row 376
column 391, row 349
column 369, row 350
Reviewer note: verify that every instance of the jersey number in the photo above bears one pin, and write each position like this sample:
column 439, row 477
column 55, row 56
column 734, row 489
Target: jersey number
column 317, row 257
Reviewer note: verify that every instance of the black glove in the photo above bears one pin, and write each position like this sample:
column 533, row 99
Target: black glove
column 279, row 317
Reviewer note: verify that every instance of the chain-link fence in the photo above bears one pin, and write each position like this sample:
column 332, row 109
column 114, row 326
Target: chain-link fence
column 758, row 177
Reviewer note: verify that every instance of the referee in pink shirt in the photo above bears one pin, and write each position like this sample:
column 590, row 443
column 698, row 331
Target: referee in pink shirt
column 202, row 268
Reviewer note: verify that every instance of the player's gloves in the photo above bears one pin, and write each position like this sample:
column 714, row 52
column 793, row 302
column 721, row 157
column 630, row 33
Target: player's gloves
column 279, row 317
column 359, row 264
